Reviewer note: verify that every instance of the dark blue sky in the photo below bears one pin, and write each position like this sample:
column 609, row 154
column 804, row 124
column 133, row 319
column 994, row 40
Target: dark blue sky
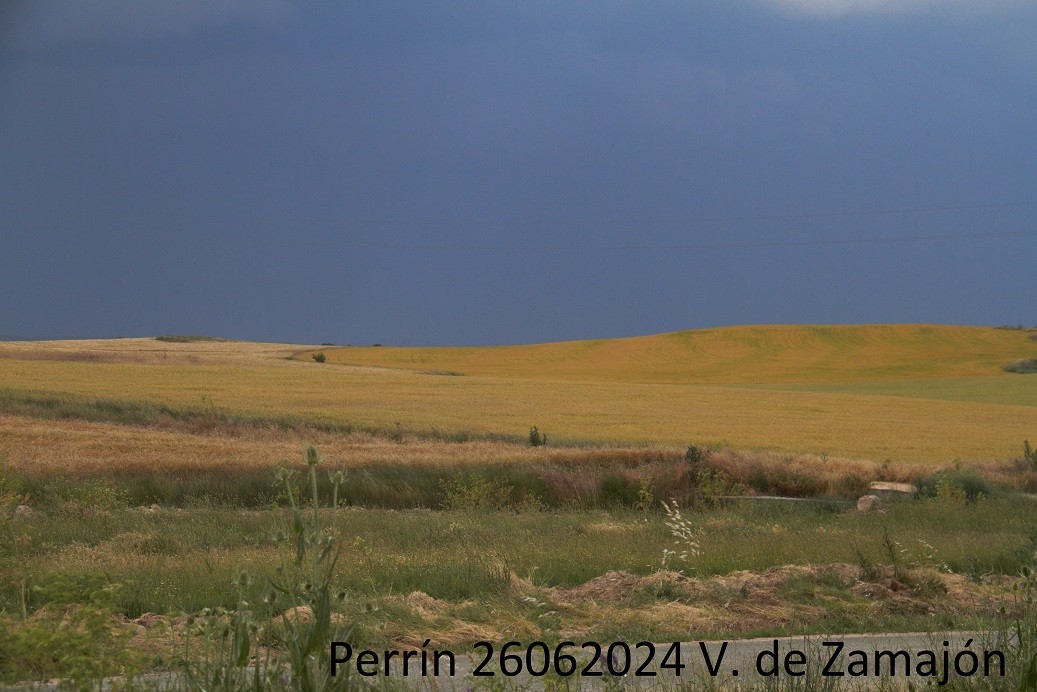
column 499, row 172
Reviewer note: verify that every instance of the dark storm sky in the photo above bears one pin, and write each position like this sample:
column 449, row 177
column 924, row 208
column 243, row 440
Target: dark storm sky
column 500, row 172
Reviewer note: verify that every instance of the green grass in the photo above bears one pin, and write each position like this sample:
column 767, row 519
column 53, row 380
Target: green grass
column 448, row 576
column 175, row 561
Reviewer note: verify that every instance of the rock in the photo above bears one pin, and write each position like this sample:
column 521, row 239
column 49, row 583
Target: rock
column 24, row 511
column 888, row 487
column 887, row 491
column 869, row 503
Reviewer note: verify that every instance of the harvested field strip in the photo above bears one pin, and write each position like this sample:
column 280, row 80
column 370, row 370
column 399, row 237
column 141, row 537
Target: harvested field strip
column 152, row 351
column 197, row 419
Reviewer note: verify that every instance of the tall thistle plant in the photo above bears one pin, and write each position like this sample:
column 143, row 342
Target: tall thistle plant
column 287, row 645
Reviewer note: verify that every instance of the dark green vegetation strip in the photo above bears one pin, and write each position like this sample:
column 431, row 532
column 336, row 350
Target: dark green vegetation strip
column 1024, row 367
column 630, row 481
column 187, row 339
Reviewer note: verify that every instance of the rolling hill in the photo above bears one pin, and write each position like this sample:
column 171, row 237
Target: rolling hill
column 912, row 392
column 767, row 354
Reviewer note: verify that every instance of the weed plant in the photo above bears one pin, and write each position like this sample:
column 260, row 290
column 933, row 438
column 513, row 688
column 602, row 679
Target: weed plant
column 285, row 641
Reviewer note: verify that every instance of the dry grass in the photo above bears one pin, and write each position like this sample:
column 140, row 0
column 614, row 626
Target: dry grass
column 741, row 603
column 666, row 605
column 728, row 355
column 89, row 448
column 178, row 464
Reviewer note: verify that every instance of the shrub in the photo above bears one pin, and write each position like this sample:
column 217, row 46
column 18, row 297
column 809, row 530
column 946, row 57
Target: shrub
column 475, row 494
column 75, row 636
column 89, row 494
column 1029, row 453
column 694, row 455
column 951, row 484
column 713, row 487
column 536, row 438
column 949, row 492
column 645, row 498
column 320, row 357
column 615, row 490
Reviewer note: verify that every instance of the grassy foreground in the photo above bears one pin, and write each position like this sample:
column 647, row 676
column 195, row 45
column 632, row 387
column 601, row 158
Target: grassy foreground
column 130, row 577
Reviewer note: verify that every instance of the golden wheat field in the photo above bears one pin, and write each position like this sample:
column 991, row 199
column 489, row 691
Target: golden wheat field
column 904, row 392
column 729, row 355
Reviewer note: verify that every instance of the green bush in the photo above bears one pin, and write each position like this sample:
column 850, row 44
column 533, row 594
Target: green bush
column 948, row 484
column 536, row 438
column 476, row 494
column 319, row 357
column 74, row 637
column 618, row 491
column 694, row 455
column 91, row 493
column 713, row 487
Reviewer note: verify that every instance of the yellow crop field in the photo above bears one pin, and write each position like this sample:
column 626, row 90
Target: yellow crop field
column 729, row 355
column 631, row 408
